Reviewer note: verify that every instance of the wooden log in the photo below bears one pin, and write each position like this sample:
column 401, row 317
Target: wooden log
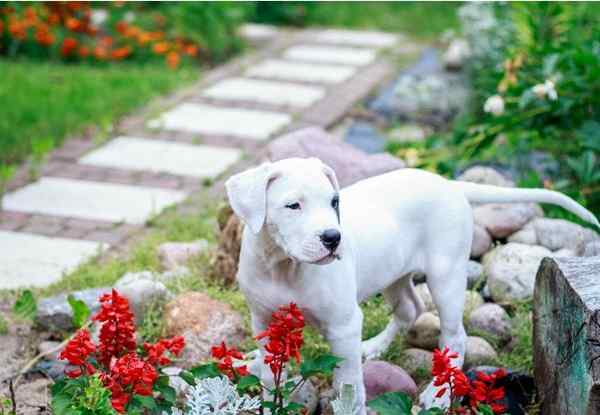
column 566, row 335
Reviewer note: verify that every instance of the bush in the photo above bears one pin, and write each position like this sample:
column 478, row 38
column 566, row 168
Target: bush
column 535, row 72
column 90, row 32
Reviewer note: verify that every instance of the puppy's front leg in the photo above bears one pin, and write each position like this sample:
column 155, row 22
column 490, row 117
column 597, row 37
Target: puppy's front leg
column 345, row 341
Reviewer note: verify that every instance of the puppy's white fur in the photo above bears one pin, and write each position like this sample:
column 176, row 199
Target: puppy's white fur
column 390, row 225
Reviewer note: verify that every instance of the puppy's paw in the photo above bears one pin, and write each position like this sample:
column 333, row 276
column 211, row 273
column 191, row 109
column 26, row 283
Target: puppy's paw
column 427, row 399
column 372, row 348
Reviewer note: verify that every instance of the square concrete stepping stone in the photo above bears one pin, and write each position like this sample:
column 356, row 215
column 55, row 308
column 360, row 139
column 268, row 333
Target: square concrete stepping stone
column 256, row 32
column 305, row 72
column 28, row 260
column 206, row 119
column 269, row 92
column 91, row 200
column 357, row 38
column 331, row 54
column 163, row 156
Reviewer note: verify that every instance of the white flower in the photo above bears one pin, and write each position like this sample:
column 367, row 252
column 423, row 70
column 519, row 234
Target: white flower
column 99, row 16
column 547, row 89
column 494, row 105
column 217, row 396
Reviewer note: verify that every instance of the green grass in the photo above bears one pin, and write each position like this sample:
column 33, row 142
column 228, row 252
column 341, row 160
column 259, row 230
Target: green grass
column 424, row 20
column 43, row 100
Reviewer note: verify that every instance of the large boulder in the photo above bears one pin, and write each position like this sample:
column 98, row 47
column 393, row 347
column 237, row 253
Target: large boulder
column 203, row 322
column 485, row 175
column 425, row 332
column 350, row 164
column 511, row 270
column 479, row 352
column 143, row 290
column 482, row 241
column 381, row 377
column 417, row 362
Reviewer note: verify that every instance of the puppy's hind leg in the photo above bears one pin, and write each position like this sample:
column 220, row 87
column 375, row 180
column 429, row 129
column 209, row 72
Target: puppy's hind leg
column 406, row 307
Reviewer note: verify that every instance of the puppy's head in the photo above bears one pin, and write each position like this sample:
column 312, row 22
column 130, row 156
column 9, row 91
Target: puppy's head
column 296, row 202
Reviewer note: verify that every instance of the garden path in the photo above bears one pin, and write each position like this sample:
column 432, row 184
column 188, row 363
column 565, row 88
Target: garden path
column 92, row 198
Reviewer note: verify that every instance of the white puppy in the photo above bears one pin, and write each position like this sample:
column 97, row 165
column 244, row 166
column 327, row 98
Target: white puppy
column 298, row 246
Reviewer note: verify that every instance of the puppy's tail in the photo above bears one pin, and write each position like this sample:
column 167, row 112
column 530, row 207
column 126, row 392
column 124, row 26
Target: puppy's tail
column 481, row 193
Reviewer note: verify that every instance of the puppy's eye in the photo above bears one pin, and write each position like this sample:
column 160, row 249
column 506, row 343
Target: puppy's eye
column 293, row 206
column 335, row 202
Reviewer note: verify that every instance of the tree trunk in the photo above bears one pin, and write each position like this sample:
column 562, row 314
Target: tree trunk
column 566, row 335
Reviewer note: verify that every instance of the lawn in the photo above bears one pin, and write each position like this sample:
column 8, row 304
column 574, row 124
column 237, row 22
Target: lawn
column 423, row 20
column 42, row 100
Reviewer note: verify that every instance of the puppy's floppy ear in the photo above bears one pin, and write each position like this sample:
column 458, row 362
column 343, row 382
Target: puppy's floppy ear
column 247, row 193
column 331, row 176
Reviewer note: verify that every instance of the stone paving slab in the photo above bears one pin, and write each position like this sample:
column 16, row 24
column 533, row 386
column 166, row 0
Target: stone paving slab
column 34, row 260
column 258, row 32
column 356, row 38
column 141, row 154
column 303, row 72
column 270, row 92
column 205, row 119
column 91, row 200
column 331, row 54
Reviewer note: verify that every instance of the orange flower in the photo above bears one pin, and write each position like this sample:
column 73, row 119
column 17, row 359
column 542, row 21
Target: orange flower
column 43, row 36
column 68, row 45
column 161, row 47
column 173, row 59
column 122, row 27
column 191, row 50
column 106, row 41
column 121, row 53
column 143, row 38
column 53, row 18
column 157, row 35
column 17, row 29
column 100, row 52
column 73, row 24
column 84, row 51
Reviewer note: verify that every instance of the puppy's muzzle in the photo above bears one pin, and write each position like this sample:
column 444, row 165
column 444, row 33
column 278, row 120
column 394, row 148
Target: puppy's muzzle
column 330, row 239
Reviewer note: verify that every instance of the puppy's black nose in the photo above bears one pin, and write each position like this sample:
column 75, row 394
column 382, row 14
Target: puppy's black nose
column 331, row 239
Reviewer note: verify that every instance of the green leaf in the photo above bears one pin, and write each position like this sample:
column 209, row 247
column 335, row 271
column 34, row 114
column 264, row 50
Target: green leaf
column 142, row 402
column 485, row 410
column 248, row 382
column 209, row 370
column 391, row 403
column 61, row 400
column 324, row 364
column 589, row 135
column 81, row 312
column 187, row 377
column 25, row 306
column 294, row 407
column 166, row 391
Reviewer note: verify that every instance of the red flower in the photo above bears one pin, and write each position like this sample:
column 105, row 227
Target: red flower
column 226, row 357
column 117, row 335
column 156, row 352
column 76, row 353
column 285, row 337
column 68, row 46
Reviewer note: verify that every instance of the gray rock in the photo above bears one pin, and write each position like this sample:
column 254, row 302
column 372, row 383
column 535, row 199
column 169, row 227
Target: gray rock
column 142, row 289
column 423, row 292
column 176, row 254
column 425, row 332
column 382, row 377
column 349, row 163
column 482, row 241
column 475, row 274
column 564, row 253
column 54, row 313
column 527, row 236
column 479, row 352
column 417, row 362
column 511, row 270
column 556, row 234
column 502, row 220
column 181, row 387
column 589, row 235
column 592, row 249
column 48, row 349
column 492, row 319
column 473, row 300
column 485, row 175
column 307, row 395
column 409, row 133
column 364, row 136
column 457, row 54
